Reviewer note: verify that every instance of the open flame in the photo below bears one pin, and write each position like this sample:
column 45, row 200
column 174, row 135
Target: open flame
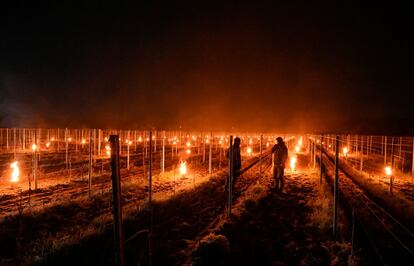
column 345, row 151
column 83, row 141
column 297, row 148
column 188, row 151
column 34, row 147
column 15, row 173
column 388, row 171
column 249, row 151
column 183, row 168
column 108, row 150
column 293, row 161
column 47, row 145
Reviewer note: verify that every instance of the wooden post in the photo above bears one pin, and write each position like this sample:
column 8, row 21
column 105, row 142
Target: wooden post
column 335, row 207
column 35, row 168
column 150, row 168
column 320, row 160
column 230, row 177
column 392, row 165
column 385, row 151
column 163, row 152
column 361, row 154
column 210, row 153
column 412, row 165
column 116, row 198
column 90, row 164
column 261, row 152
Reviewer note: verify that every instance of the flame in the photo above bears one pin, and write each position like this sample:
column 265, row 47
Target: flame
column 249, row 150
column 297, row 148
column 83, row 141
column 52, row 139
column 188, row 144
column 207, row 140
column 47, row 145
column 108, row 150
column 388, row 171
column 139, row 139
column 15, row 173
column 34, row 147
column 293, row 161
column 345, row 151
column 300, row 141
column 183, row 168
column 188, row 151
column 267, row 144
column 69, row 139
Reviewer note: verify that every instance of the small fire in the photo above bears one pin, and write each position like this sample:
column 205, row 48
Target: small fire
column 106, row 139
column 207, row 140
column 267, row 144
column 300, row 142
column 188, row 144
column 108, row 150
column 47, row 145
column 15, row 173
column 188, row 151
column 345, row 151
column 293, row 161
column 139, row 139
column 297, row 148
column 388, row 171
column 249, row 151
column 183, row 168
column 83, row 141
column 69, row 139
column 52, row 139
column 34, row 147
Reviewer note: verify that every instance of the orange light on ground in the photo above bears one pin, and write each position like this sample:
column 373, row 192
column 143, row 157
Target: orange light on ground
column 293, row 161
column 183, row 168
column 388, row 171
column 15, row 173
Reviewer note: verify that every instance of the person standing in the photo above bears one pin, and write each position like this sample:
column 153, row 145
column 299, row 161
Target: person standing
column 280, row 152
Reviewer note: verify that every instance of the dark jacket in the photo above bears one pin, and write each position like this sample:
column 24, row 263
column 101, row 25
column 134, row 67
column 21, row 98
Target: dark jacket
column 281, row 154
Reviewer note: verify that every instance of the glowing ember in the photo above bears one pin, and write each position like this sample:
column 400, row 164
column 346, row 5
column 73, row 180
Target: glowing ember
column 388, row 171
column 34, row 147
column 249, row 150
column 183, row 168
column 293, row 161
column 15, row 173
column 345, row 151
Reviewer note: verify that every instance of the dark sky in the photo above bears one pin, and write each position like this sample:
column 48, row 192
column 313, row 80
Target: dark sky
column 269, row 66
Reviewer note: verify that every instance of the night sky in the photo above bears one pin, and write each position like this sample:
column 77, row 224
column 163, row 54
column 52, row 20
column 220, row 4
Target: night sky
column 271, row 66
